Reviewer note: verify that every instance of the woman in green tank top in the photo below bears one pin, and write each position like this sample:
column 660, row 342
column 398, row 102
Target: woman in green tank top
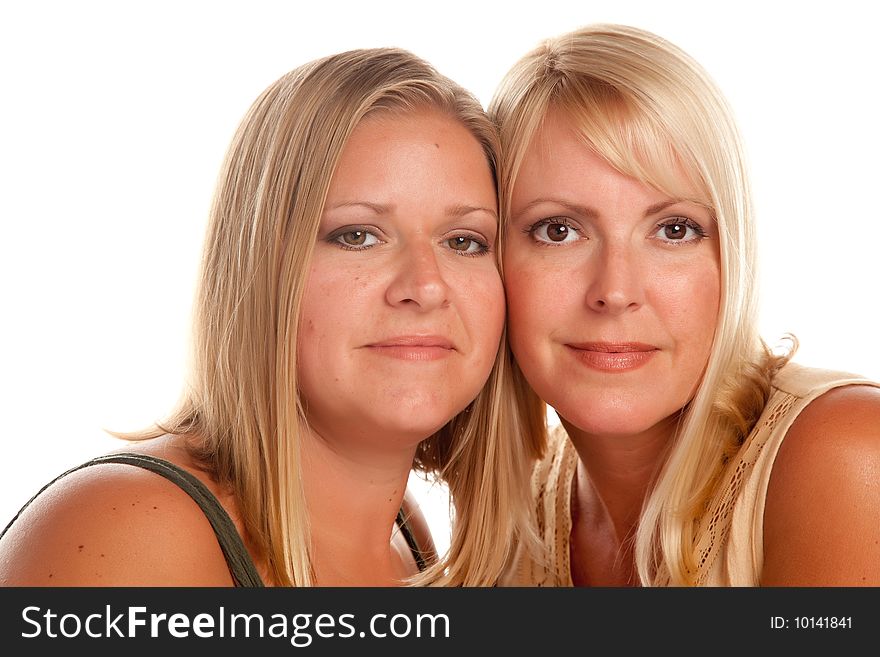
column 346, row 329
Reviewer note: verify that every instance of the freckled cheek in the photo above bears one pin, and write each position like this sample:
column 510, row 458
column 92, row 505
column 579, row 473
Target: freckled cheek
column 334, row 305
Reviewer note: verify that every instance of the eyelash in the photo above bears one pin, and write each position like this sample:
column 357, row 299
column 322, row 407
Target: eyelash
column 334, row 239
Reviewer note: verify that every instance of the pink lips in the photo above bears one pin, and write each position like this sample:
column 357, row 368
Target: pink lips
column 413, row 347
column 613, row 356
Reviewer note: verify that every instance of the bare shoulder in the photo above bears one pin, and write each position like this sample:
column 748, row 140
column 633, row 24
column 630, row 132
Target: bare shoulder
column 822, row 514
column 112, row 525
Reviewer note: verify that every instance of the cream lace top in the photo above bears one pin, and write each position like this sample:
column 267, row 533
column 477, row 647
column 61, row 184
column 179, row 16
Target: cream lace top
column 731, row 547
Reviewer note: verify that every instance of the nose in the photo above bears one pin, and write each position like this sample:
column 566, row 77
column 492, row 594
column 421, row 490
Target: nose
column 616, row 284
column 418, row 281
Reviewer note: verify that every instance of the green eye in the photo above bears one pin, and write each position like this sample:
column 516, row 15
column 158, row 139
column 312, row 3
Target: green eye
column 467, row 245
column 354, row 238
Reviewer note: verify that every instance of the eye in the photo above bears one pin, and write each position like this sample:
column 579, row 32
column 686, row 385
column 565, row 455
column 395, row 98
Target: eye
column 679, row 230
column 555, row 230
column 467, row 245
column 354, row 238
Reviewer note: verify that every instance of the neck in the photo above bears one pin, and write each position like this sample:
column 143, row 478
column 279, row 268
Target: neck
column 616, row 472
column 353, row 497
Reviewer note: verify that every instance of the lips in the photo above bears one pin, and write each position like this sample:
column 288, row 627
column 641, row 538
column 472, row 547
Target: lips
column 415, row 341
column 413, row 347
column 613, row 356
column 613, row 347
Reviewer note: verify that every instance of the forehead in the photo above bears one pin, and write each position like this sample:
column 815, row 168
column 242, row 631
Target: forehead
column 416, row 135
column 557, row 146
column 415, row 157
column 567, row 146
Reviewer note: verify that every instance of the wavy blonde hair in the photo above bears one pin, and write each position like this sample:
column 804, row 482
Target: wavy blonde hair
column 242, row 412
column 654, row 114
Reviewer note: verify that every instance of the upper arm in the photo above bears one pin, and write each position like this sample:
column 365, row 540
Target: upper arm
column 112, row 525
column 822, row 514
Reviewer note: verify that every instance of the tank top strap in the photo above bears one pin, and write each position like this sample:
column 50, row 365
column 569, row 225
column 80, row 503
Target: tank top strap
column 241, row 566
column 411, row 541
column 239, row 561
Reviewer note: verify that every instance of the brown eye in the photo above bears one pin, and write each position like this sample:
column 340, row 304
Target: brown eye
column 557, row 232
column 682, row 231
column 675, row 231
column 554, row 230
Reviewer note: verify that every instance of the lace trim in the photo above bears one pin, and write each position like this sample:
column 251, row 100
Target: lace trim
column 719, row 513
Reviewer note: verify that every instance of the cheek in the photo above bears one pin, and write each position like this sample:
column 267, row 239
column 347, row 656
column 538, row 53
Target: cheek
column 320, row 300
column 333, row 292
column 334, row 306
column 521, row 312
column 534, row 313
column 483, row 307
column 539, row 297
column 688, row 301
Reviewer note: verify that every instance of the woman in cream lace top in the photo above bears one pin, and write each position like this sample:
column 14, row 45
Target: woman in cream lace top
column 688, row 452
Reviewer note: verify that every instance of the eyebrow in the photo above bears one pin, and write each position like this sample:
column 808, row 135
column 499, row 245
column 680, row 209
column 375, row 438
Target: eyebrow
column 373, row 207
column 455, row 211
column 591, row 213
column 662, row 205
column 461, row 210
column 573, row 207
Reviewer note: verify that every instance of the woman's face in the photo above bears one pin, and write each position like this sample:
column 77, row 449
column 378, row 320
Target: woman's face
column 613, row 288
column 404, row 307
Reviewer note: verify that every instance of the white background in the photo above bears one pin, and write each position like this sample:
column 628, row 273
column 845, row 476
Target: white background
column 115, row 117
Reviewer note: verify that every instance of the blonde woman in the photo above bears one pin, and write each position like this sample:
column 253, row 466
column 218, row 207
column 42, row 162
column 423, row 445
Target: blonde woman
column 688, row 453
column 347, row 329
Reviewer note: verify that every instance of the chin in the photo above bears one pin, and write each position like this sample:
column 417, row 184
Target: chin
column 400, row 433
column 611, row 426
column 617, row 417
column 422, row 421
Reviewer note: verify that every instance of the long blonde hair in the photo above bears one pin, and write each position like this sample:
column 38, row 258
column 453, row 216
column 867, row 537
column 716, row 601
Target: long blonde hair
column 653, row 113
column 242, row 412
